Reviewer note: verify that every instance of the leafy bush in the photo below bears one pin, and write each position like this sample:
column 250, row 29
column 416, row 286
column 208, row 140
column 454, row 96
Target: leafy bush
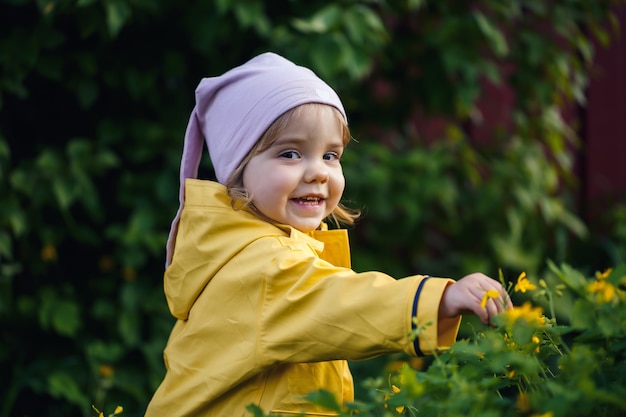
column 94, row 99
column 529, row 364
column 95, row 96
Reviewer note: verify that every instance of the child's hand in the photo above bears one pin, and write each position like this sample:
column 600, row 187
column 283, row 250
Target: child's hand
column 466, row 295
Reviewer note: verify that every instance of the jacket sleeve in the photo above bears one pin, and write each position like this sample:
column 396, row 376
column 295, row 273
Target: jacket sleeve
column 433, row 333
column 313, row 311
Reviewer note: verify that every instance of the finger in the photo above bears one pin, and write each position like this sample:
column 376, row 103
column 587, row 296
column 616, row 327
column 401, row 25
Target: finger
column 502, row 306
column 508, row 304
column 504, row 302
column 483, row 315
column 487, row 310
column 492, row 310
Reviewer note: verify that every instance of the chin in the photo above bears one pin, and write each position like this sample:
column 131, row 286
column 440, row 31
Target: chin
column 307, row 228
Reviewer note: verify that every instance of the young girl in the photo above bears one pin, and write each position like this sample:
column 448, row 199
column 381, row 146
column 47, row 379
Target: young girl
column 267, row 306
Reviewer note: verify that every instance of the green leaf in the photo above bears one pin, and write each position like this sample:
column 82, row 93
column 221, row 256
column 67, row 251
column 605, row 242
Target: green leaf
column 100, row 352
column 78, row 149
column 129, row 327
column 66, row 318
column 326, row 55
column 609, row 326
column 582, row 315
column 7, row 272
column 325, row 399
column 321, row 22
column 494, row 36
column 416, row 4
column 62, row 314
column 87, row 93
column 64, row 192
column 17, row 218
column 5, row 151
column 252, row 14
column 117, row 13
column 63, row 385
column 362, row 25
column 6, row 247
column 223, row 5
column 27, row 306
column 617, row 275
column 255, row 410
column 48, row 161
column 522, row 332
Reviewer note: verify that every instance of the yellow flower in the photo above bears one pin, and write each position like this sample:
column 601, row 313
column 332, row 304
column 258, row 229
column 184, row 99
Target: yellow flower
column 105, row 263
column 603, row 275
column 106, row 370
column 533, row 315
column 548, row 414
column 47, row 9
column 509, row 341
column 49, row 253
column 395, row 390
column 129, row 274
column 603, row 288
column 536, row 341
column 118, row 409
column 488, row 294
column 523, row 284
column 395, row 366
column 522, row 402
column 417, row 363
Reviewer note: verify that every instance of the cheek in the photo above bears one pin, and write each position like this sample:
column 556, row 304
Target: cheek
column 338, row 184
column 267, row 186
column 249, row 184
column 252, row 174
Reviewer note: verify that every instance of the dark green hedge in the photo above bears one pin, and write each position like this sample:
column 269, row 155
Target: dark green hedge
column 94, row 100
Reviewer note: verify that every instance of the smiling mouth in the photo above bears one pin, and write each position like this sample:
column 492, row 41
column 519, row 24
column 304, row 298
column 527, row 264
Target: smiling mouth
column 309, row 201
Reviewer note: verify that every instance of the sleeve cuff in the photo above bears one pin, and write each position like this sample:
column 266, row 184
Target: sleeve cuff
column 434, row 334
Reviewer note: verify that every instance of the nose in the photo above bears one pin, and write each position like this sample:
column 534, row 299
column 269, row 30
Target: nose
column 316, row 171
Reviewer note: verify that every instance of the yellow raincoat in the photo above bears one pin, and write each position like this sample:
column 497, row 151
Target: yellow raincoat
column 267, row 314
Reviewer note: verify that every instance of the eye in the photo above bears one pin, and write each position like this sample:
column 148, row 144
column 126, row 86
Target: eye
column 289, row 155
column 332, row 156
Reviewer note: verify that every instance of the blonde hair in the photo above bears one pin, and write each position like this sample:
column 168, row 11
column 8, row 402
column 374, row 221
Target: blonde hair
column 239, row 195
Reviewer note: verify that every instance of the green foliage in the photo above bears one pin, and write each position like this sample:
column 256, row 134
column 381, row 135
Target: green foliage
column 94, row 99
column 526, row 365
column 513, row 186
column 504, row 199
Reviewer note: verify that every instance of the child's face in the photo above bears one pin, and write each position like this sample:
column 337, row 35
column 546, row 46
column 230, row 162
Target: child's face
column 298, row 180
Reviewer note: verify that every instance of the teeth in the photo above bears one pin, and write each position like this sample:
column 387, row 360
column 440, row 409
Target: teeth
column 308, row 200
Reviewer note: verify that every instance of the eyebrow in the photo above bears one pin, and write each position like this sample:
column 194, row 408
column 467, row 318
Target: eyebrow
column 286, row 141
